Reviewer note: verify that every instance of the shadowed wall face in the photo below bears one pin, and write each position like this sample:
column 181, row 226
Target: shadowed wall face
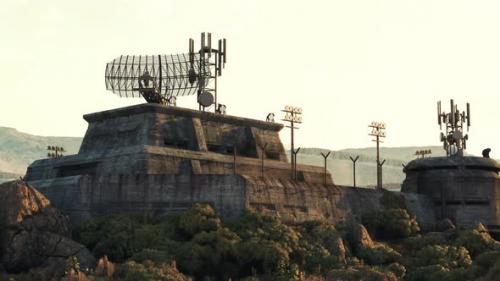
column 463, row 189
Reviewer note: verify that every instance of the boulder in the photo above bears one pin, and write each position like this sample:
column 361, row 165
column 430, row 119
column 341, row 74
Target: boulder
column 32, row 231
column 339, row 248
column 362, row 238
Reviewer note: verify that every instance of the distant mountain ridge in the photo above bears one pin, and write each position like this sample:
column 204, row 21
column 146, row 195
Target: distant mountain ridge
column 340, row 165
column 18, row 150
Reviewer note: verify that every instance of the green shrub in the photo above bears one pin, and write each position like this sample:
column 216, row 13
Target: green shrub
column 153, row 255
column 415, row 243
column 475, row 241
column 392, row 200
column 361, row 273
column 391, row 223
column 201, row 217
column 132, row 271
column 438, row 273
column 379, row 254
column 446, row 256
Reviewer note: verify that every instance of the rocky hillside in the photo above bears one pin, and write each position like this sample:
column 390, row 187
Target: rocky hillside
column 18, row 150
column 32, row 232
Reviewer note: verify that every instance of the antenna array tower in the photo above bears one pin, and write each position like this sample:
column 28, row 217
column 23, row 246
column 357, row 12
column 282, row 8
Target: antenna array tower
column 211, row 63
column 453, row 138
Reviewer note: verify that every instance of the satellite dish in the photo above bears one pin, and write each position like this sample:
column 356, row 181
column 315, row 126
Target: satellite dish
column 270, row 117
column 206, row 99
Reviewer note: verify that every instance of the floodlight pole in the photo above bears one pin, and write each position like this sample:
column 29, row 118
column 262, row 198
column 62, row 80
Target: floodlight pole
column 354, row 160
column 324, row 171
column 378, row 131
column 380, row 171
column 292, row 115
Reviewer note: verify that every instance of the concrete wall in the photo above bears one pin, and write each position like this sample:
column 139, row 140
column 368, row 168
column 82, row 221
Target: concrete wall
column 463, row 189
column 83, row 197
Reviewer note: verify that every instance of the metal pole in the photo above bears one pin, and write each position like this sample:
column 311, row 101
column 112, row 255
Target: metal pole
column 380, row 173
column 325, row 156
column 292, row 160
column 295, row 152
column 379, row 184
column 354, row 160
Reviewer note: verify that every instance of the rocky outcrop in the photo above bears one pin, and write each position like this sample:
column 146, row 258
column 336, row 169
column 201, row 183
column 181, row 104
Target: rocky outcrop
column 361, row 237
column 32, row 232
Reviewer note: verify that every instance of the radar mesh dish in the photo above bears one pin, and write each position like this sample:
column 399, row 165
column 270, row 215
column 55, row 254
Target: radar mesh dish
column 169, row 74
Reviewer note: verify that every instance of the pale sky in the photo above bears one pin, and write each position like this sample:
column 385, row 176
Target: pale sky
column 346, row 63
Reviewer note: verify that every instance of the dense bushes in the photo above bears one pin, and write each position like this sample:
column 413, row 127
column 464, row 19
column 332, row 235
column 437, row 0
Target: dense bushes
column 258, row 247
column 391, row 223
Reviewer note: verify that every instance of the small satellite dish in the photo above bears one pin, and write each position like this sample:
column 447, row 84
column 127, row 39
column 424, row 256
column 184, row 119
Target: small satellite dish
column 206, row 99
column 270, row 117
column 221, row 109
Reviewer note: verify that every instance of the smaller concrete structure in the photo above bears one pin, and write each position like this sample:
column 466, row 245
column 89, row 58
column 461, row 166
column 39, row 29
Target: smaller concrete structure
column 463, row 189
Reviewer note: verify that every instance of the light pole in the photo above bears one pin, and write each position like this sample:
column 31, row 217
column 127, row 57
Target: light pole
column 55, row 151
column 378, row 131
column 293, row 116
column 295, row 152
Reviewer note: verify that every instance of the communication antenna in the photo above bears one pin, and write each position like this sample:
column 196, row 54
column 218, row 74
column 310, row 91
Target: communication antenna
column 453, row 138
column 159, row 78
column 378, row 131
column 293, row 116
column 212, row 61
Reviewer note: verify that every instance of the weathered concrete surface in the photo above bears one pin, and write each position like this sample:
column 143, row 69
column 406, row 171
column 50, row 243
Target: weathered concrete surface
column 154, row 159
column 154, row 139
column 463, row 189
column 83, row 197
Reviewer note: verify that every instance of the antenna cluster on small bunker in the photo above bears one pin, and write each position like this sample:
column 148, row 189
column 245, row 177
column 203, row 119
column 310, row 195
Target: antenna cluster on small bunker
column 454, row 140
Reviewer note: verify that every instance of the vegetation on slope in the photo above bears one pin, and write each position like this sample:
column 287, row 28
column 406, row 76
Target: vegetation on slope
column 199, row 244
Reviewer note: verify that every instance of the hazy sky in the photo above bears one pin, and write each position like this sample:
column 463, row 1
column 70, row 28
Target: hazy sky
column 346, row 63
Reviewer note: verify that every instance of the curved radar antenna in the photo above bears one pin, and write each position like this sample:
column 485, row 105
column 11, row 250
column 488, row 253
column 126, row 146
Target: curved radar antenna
column 157, row 78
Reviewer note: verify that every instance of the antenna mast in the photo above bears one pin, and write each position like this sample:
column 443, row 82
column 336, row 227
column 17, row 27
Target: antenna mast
column 212, row 61
column 453, row 138
column 378, row 131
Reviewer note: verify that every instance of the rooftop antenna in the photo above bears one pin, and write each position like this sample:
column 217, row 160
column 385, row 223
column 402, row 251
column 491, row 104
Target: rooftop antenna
column 453, row 138
column 212, row 61
column 293, row 116
column 378, row 131
column 161, row 78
